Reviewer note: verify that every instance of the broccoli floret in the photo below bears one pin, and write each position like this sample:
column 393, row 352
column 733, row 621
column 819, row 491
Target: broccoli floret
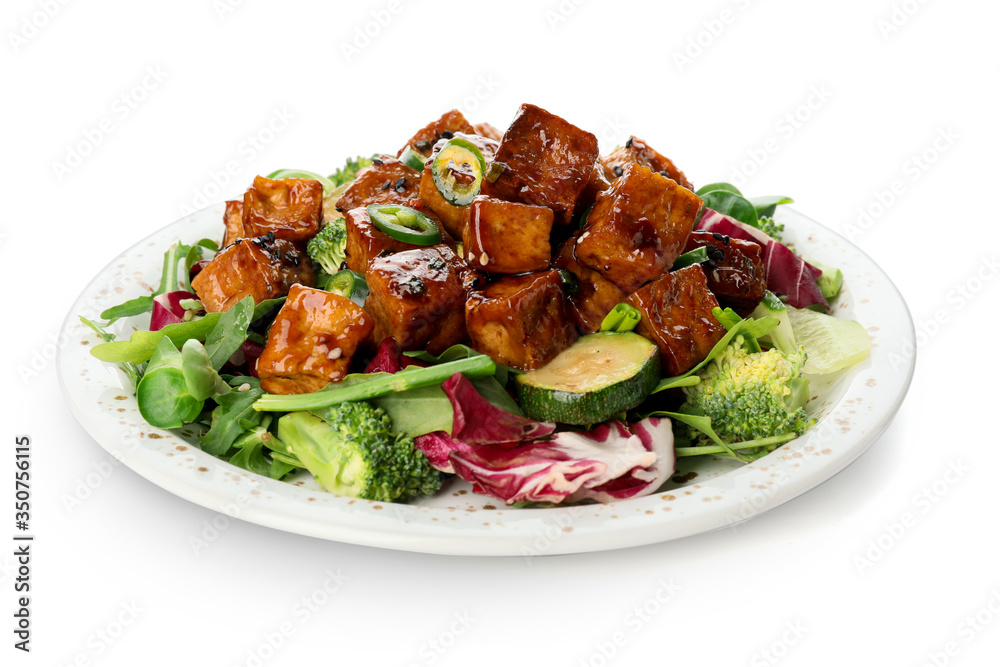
column 328, row 247
column 752, row 395
column 350, row 170
column 352, row 451
column 771, row 228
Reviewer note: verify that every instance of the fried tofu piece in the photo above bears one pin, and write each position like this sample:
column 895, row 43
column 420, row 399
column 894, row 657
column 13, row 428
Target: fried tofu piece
column 507, row 237
column 290, row 207
column 446, row 126
column 365, row 241
column 418, row 298
column 233, row 219
column 735, row 270
column 637, row 228
column 637, row 151
column 487, row 130
column 547, row 162
column 520, row 320
column 258, row 267
column 453, row 217
column 312, row 341
column 677, row 316
column 595, row 296
column 387, row 181
column 599, row 181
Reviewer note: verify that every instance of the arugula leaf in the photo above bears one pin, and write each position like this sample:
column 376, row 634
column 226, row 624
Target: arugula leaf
column 233, row 408
column 459, row 351
column 715, row 187
column 733, row 205
column 229, row 332
column 765, row 206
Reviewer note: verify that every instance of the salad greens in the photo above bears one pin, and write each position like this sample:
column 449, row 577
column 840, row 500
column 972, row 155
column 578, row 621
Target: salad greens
column 386, row 433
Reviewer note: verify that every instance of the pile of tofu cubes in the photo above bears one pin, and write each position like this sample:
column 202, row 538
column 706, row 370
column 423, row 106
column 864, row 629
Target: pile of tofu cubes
column 504, row 291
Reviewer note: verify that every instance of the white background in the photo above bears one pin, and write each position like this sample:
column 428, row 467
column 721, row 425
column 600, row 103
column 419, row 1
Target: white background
column 831, row 103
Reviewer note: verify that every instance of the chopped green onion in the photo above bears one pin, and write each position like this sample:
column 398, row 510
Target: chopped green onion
column 405, row 224
column 379, row 384
column 622, row 317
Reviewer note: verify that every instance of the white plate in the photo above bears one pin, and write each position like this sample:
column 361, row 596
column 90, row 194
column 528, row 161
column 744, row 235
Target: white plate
column 854, row 407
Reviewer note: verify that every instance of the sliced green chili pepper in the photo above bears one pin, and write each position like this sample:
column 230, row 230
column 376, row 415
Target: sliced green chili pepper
column 622, row 317
column 696, row 256
column 404, row 224
column 458, row 171
column 328, row 185
column 348, row 284
column 412, row 159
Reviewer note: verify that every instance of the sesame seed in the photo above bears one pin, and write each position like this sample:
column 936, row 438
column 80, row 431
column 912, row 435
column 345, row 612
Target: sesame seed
column 617, row 169
column 244, row 387
column 385, row 186
column 334, row 353
column 628, row 144
column 484, row 259
column 717, row 236
column 377, row 161
column 447, row 135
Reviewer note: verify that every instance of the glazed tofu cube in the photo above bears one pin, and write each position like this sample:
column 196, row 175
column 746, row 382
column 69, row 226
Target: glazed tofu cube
column 233, row 219
column 521, row 320
column 453, row 217
column 289, row 207
column 637, row 228
column 735, row 270
column 599, row 181
column 387, row 181
column 595, row 295
column 677, row 316
column 507, row 237
column 365, row 241
column 417, row 297
column 547, row 162
column 258, row 267
column 446, row 126
column 637, row 151
column 487, row 130
column 312, row 341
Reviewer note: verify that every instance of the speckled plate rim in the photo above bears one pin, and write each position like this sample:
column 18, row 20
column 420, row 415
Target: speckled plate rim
column 854, row 410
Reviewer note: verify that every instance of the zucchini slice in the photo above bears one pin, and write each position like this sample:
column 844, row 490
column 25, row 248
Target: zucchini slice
column 596, row 378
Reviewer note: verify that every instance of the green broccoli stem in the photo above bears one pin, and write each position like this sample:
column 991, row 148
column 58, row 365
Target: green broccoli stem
column 378, row 385
column 748, row 444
